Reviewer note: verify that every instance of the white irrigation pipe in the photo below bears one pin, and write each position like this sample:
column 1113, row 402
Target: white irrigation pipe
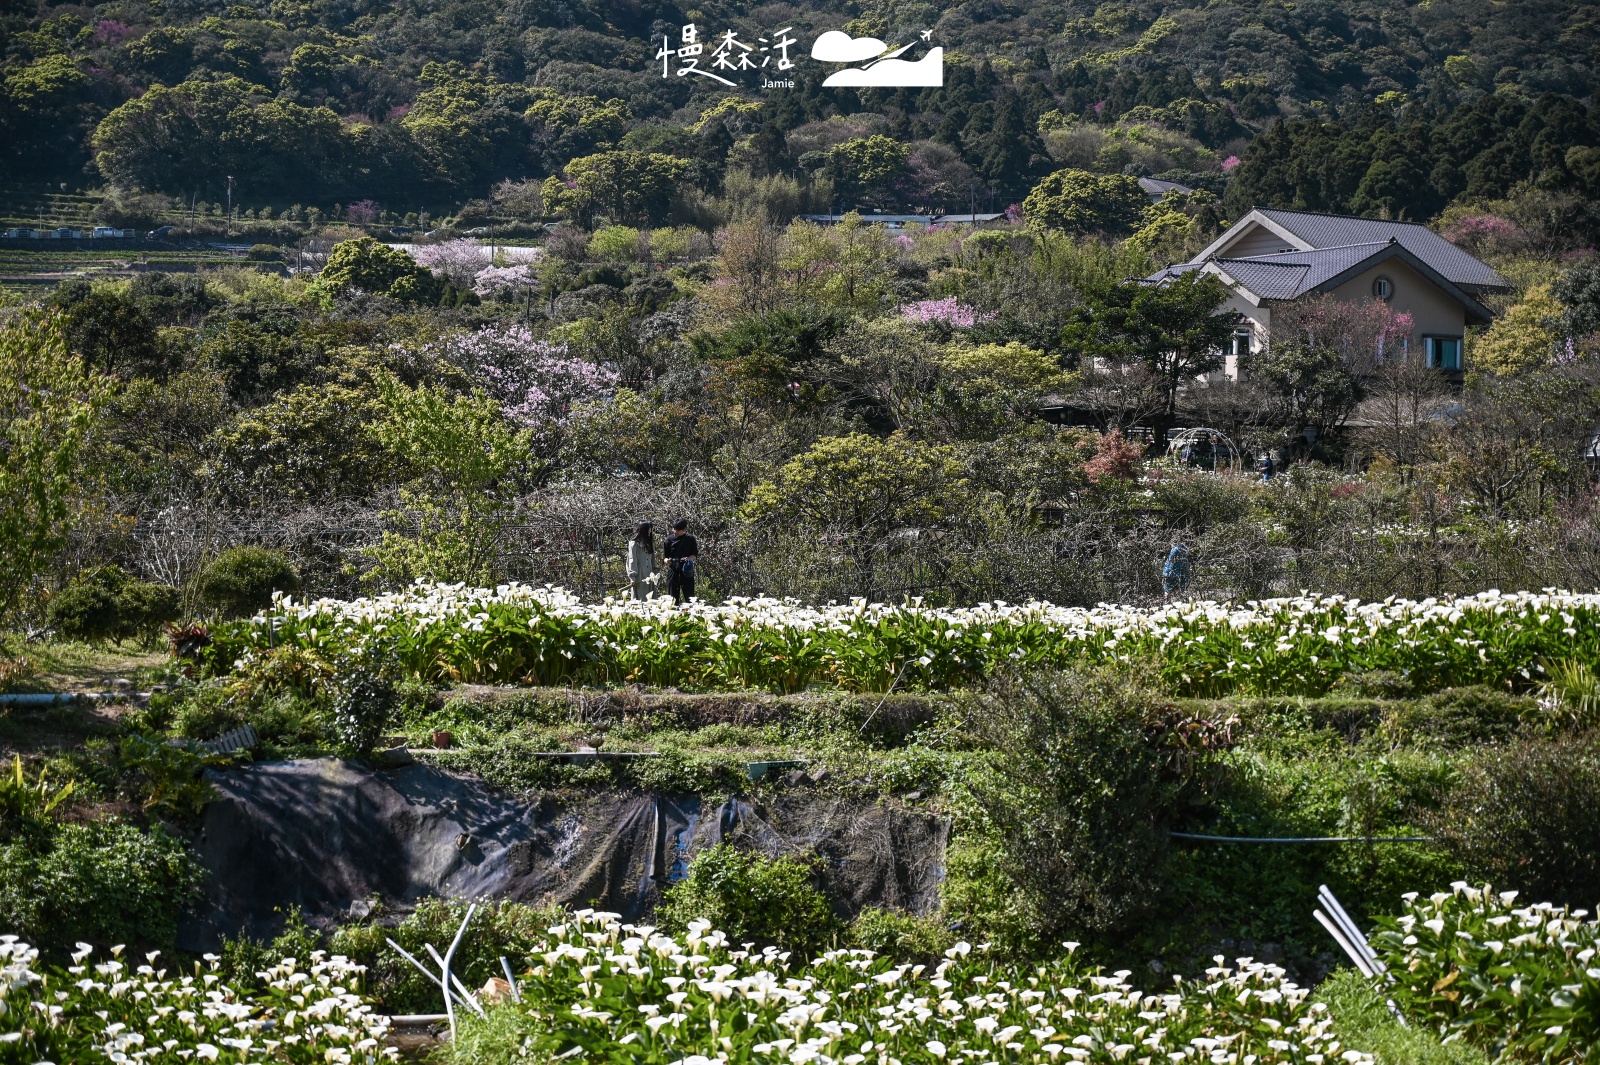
column 1349, row 937
column 445, row 978
column 455, row 981
column 425, row 971
column 516, row 992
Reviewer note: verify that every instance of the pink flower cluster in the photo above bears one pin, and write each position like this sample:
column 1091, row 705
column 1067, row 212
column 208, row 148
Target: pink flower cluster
column 494, row 278
column 1478, row 231
column 949, row 312
column 536, row 382
column 459, row 260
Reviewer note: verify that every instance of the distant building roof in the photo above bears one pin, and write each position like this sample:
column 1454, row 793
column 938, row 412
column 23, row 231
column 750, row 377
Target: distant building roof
column 1156, row 188
column 905, row 219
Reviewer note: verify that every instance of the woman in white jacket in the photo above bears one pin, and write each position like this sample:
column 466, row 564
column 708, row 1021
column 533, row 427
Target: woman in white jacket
column 641, row 560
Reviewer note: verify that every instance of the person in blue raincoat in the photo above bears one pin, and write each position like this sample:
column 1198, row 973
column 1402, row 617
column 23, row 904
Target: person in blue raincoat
column 1175, row 573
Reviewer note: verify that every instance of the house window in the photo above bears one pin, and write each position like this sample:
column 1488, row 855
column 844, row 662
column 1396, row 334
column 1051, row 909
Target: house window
column 1241, row 343
column 1383, row 288
column 1444, row 353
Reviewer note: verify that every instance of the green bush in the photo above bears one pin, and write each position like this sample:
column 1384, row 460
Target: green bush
column 1456, row 716
column 498, row 928
column 243, row 958
column 364, row 699
column 688, row 772
column 241, row 580
column 1526, row 817
column 105, row 604
column 900, row 935
column 1363, row 1022
column 161, row 777
column 1076, row 797
column 199, row 711
column 103, row 881
column 1375, row 684
column 768, row 901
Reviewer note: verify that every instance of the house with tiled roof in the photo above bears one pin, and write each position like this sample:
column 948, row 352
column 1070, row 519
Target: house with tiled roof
column 1271, row 257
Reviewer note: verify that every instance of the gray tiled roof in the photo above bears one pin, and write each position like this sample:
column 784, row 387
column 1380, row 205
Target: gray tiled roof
column 1269, row 280
column 1293, row 273
column 1337, row 231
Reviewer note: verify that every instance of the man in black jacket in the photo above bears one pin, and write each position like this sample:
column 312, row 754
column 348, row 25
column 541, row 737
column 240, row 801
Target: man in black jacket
column 680, row 550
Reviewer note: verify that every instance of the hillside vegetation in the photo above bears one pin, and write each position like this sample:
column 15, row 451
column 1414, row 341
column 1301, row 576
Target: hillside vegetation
column 408, row 109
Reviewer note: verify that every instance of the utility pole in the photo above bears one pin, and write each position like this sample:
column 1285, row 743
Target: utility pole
column 230, row 199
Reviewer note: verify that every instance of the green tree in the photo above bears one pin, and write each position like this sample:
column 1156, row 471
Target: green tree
column 467, row 125
column 469, row 461
column 310, row 443
column 1175, row 331
column 1080, row 202
column 49, row 401
column 866, row 166
column 365, row 265
column 1177, row 226
column 854, row 491
column 197, row 133
column 1524, row 337
column 1578, row 291
column 113, row 333
column 627, row 187
column 986, row 389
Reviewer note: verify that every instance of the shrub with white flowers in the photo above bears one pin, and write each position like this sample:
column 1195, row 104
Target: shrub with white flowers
column 111, row 1011
column 600, row 989
column 1521, row 982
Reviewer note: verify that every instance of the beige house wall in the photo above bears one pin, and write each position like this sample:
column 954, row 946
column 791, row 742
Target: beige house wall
column 1434, row 313
column 1259, row 241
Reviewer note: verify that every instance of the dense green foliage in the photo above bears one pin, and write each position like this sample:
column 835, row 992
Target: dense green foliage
column 105, row 881
column 48, row 401
column 241, row 580
column 398, row 111
column 105, row 604
column 765, row 901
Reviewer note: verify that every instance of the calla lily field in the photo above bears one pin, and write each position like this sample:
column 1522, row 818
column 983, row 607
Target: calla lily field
column 1288, row 646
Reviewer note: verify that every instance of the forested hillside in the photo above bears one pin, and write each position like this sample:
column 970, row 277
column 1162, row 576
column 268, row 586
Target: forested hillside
column 1390, row 107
